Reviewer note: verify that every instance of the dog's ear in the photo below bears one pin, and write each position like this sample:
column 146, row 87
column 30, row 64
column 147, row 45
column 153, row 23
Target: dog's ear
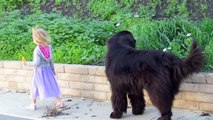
column 123, row 38
column 126, row 38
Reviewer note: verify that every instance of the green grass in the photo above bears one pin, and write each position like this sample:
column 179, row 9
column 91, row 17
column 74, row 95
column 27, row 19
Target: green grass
column 77, row 41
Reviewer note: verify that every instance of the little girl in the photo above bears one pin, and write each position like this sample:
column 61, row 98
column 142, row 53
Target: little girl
column 44, row 84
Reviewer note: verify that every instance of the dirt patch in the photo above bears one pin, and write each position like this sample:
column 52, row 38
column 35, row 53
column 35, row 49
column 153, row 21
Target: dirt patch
column 198, row 9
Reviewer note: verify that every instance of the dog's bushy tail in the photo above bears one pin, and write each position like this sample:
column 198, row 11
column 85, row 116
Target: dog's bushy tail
column 192, row 63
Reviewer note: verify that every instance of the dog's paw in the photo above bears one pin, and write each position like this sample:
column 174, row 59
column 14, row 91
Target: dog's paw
column 137, row 112
column 115, row 116
column 164, row 118
column 160, row 118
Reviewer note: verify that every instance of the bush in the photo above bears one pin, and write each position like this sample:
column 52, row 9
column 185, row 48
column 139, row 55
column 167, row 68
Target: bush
column 74, row 41
column 80, row 52
column 78, row 41
column 176, row 33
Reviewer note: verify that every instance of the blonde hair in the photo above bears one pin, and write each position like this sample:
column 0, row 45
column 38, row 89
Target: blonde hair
column 40, row 36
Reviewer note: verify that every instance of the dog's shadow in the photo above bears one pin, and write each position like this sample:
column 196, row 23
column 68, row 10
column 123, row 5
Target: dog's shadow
column 150, row 113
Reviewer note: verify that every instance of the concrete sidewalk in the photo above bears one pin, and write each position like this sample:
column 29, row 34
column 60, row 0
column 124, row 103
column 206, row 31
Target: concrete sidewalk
column 13, row 104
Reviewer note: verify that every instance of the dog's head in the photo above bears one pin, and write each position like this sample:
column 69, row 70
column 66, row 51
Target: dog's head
column 123, row 38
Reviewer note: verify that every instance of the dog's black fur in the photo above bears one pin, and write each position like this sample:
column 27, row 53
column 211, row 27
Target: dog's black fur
column 129, row 71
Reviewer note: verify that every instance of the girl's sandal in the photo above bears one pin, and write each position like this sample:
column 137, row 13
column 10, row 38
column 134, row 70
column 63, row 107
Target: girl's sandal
column 59, row 105
column 31, row 107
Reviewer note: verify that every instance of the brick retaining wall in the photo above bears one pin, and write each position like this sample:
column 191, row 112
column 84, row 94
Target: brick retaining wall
column 196, row 93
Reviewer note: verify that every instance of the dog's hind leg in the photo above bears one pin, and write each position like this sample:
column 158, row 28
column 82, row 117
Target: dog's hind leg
column 137, row 101
column 162, row 99
column 119, row 104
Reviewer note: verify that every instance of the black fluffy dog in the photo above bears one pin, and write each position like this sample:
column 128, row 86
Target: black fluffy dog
column 129, row 71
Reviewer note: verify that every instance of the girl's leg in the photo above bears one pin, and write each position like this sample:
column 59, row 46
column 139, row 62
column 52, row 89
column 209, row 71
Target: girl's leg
column 32, row 106
column 34, row 101
column 58, row 99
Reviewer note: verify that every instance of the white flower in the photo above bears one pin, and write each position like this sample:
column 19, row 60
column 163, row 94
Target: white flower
column 136, row 16
column 118, row 24
column 189, row 34
column 167, row 49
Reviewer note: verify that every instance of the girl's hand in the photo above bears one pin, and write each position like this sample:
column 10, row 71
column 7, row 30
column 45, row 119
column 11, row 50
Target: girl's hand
column 23, row 61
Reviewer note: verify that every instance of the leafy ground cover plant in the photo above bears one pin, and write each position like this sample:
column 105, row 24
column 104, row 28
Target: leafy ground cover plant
column 77, row 41
column 74, row 41
column 175, row 33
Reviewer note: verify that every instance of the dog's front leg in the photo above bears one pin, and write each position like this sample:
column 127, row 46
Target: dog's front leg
column 119, row 104
column 165, row 116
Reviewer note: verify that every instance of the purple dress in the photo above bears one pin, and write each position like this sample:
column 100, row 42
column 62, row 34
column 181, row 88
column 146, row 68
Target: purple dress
column 44, row 84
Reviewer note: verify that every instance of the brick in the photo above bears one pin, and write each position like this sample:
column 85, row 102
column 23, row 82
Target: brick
column 16, row 78
column 186, row 104
column 102, row 87
column 148, row 101
column 3, row 84
column 65, row 91
column 20, row 86
column 100, row 79
column 27, row 67
column 76, row 93
column 86, row 78
column 189, row 87
column 101, row 71
column 13, row 64
column 178, row 96
column 28, row 79
column 87, row 86
column 94, row 95
column 205, row 97
column 12, row 85
column 26, row 86
column 63, row 84
column 209, row 78
column 109, row 94
column 206, row 88
column 94, row 79
column 1, row 64
column 59, row 68
column 188, row 79
column 3, row 77
column 69, row 77
column 92, row 69
column 145, row 93
column 75, row 85
column 70, row 92
column 87, row 94
column 190, row 96
column 24, row 72
column 206, row 107
column 200, row 97
column 199, row 78
column 76, row 69
column 10, row 71
column 100, row 95
column 2, row 71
